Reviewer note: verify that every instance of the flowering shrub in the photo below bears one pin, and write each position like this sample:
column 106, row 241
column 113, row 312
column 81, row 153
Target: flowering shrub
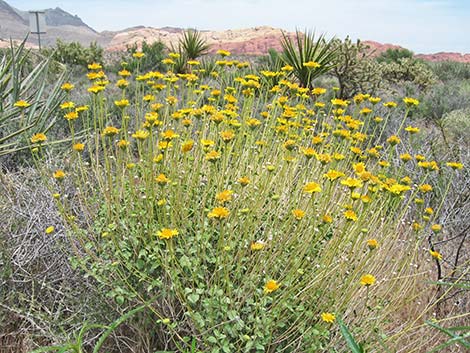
column 246, row 215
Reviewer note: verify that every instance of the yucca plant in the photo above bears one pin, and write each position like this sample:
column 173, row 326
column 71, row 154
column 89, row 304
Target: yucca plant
column 27, row 102
column 307, row 56
column 193, row 44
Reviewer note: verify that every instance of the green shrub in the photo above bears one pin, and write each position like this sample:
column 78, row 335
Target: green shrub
column 408, row 70
column 450, row 70
column 74, row 53
column 394, row 55
column 246, row 219
column 355, row 69
column 154, row 53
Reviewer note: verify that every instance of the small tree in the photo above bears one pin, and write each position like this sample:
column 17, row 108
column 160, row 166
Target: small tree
column 355, row 69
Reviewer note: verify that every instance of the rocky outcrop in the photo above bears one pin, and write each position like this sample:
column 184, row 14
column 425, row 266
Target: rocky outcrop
column 458, row 57
column 249, row 41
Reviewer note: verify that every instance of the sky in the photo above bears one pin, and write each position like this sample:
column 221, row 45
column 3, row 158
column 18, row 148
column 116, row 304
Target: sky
column 423, row 26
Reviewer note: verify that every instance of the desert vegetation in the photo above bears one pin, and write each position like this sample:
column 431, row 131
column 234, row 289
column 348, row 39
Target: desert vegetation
column 167, row 200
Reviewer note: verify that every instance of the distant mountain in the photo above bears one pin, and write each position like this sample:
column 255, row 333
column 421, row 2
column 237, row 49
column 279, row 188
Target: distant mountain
column 14, row 23
column 56, row 18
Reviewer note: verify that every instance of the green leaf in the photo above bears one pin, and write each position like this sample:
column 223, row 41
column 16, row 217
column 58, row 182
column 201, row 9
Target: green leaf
column 114, row 325
column 193, row 298
column 352, row 344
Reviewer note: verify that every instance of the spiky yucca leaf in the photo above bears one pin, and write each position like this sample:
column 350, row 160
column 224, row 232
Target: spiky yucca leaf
column 17, row 83
column 193, row 44
column 305, row 48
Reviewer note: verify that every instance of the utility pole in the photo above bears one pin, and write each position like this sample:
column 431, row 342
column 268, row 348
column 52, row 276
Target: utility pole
column 37, row 24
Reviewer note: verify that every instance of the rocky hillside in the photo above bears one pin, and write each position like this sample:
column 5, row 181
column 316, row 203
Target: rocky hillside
column 251, row 41
column 14, row 23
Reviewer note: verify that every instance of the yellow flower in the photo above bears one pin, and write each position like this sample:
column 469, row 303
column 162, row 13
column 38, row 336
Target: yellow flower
column 298, row 214
column 94, row 66
column 169, row 135
column 375, row 100
column 412, row 130
column 406, row 157
column 224, row 196
column 436, row 228
column 244, row 181
column 124, row 73
column 328, row 317
column 287, row 68
column 122, row 83
column 411, row 102
column 212, row 156
column 429, row 210
column 95, row 89
column 71, row 115
column 171, row 100
column 168, row 61
column 187, row 146
column 271, row 286
column 49, row 229
column 352, row 183
column 121, row 103
column 311, row 64
column 123, row 144
column 158, row 158
column 372, row 244
column 141, row 134
column 38, row 138
column 67, row 87
column 350, row 215
column 167, row 233
column 365, row 111
column 256, row 245
column 78, row 147
column 333, row 175
column 436, row 255
column 454, row 165
column 67, row 105
column 390, row 104
column 308, row 152
column 161, row 179
column 367, row 280
column 219, row 213
column 138, row 55
column 425, row 188
column 397, row 189
column 227, row 135
column 318, row 91
column 323, row 158
column 110, row 131
column 252, row 123
column 327, row 219
column 312, row 187
column 393, row 140
column 59, row 174
column 22, row 104
column 339, row 102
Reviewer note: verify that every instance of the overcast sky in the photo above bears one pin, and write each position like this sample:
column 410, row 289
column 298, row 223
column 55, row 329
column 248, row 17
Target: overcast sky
column 424, row 26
